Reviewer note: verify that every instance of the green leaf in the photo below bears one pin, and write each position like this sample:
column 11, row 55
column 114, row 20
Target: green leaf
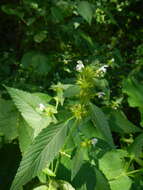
column 138, row 183
column 100, row 121
column 36, row 60
column 44, row 174
column 112, row 165
column 79, row 158
column 83, row 187
column 53, row 185
column 44, row 97
column 64, row 169
column 64, row 185
column 42, row 177
column 136, row 147
column 41, row 153
column 119, row 122
column 25, row 135
column 85, row 10
column 28, row 104
column 135, row 91
column 88, row 129
column 73, row 139
column 41, row 187
column 101, row 181
column 8, row 120
column 48, row 172
column 124, row 182
column 71, row 91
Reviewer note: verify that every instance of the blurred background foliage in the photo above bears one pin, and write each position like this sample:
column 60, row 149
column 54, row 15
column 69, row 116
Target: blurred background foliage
column 41, row 42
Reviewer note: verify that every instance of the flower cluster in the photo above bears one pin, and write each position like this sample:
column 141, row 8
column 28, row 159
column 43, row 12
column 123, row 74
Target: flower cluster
column 79, row 111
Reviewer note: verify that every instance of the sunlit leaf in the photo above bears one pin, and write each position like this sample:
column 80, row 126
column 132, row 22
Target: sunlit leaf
column 112, row 164
column 28, row 104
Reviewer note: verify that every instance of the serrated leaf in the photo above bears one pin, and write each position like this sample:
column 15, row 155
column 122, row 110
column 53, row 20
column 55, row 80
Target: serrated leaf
column 42, row 151
column 100, row 121
column 85, row 10
column 8, row 120
column 112, row 165
column 27, row 104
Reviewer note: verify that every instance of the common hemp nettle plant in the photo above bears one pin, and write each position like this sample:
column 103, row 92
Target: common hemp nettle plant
column 66, row 139
column 71, row 106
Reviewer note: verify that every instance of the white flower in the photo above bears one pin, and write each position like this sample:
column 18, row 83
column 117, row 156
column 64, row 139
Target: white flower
column 41, row 107
column 94, row 141
column 100, row 94
column 112, row 60
column 79, row 66
column 103, row 69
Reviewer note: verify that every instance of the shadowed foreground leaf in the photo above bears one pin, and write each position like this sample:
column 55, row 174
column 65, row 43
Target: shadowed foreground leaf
column 43, row 150
column 100, row 122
